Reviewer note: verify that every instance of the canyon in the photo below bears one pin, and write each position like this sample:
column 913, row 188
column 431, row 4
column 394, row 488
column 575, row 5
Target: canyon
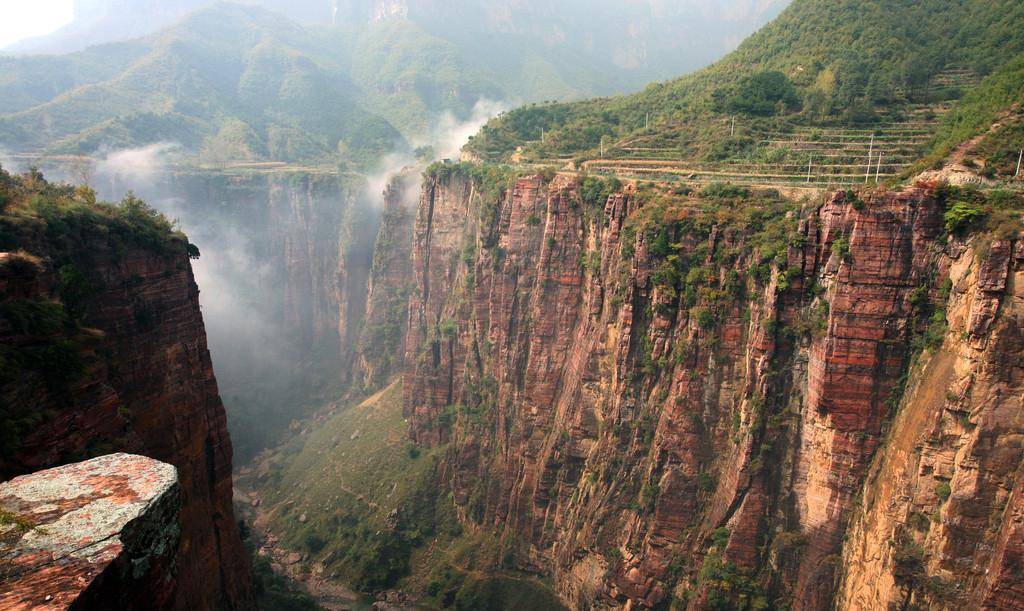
column 678, row 349
column 647, row 395
column 292, row 262
column 656, row 397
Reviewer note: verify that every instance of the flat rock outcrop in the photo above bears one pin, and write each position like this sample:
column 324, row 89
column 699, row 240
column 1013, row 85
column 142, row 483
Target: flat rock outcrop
column 102, row 533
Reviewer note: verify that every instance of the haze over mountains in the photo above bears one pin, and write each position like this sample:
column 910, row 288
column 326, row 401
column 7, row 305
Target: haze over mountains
column 238, row 82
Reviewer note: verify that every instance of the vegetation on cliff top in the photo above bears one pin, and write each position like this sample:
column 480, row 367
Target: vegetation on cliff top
column 62, row 232
column 58, row 220
column 969, row 209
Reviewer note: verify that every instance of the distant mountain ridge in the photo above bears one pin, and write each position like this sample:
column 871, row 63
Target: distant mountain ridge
column 103, row 21
column 230, row 75
column 238, row 82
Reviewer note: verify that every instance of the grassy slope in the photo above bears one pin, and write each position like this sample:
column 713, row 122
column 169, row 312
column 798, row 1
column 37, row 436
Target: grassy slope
column 981, row 108
column 355, row 460
column 851, row 52
column 348, row 475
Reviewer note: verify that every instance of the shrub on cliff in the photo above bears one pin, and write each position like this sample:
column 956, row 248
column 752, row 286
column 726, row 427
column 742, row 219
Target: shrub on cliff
column 48, row 352
column 275, row 592
column 959, row 217
column 499, row 593
column 997, row 212
column 730, row 588
column 594, row 190
column 720, row 190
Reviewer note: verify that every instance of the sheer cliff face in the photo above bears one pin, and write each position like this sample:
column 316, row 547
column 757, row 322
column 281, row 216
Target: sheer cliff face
column 671, row 398
column 378, row 353
column 293, row 264
column 942, row 521
column 147, row 387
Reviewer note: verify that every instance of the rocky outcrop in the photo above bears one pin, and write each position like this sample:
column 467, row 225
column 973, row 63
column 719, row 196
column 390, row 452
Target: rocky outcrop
column 105, row 350
column 660, row 397
column 98, row 534
column 885, row 252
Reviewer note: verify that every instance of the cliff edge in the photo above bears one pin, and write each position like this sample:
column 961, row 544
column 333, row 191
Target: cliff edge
column 103, row 349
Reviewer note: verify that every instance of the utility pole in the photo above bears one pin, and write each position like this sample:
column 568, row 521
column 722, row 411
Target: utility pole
column 602, row 147
column 542, row 135
column 732, row 132
column 878, row 170
column 1019, row 158
column 809, row 159
column 647, row 121
column 871, row 150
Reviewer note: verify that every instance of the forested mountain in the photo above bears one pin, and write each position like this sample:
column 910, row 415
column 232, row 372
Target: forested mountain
column 102, row 21
column 231, row 81
column 848, row 62
column 238, row 82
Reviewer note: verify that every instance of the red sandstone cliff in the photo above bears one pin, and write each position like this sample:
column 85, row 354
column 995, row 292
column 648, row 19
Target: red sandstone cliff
column 661, row 399
column 132, row 374
column 940, row 522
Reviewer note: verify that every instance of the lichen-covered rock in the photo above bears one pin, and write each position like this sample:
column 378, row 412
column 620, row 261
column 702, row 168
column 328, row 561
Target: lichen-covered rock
column 99, row 534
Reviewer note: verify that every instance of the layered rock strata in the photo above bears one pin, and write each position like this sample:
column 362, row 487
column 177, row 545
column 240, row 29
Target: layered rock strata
column 661, row 398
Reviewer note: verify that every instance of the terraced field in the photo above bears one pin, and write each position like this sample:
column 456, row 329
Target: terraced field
column 792, row 156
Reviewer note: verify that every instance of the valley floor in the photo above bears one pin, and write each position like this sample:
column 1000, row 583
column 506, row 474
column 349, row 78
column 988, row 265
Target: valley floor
column 338, row 508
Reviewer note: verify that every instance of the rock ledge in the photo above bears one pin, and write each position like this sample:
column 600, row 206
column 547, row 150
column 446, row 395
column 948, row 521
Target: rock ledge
column 96, row 534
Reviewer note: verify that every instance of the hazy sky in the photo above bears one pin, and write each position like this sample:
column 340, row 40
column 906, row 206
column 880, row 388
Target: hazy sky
column 23, row 18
